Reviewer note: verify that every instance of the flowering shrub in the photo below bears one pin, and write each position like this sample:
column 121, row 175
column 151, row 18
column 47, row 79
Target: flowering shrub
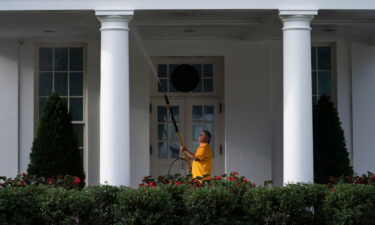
column 368, row 179
column 188, row 181
column 24, row 179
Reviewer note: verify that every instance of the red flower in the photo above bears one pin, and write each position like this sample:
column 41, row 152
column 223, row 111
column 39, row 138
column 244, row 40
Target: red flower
column 50, row 180
column 373, row 176
column 142, row 185
column 178, row 183
column 199, row 184
column 235, row 173
column 218, row 178
column 151, row 184
column 229, row 178
column 22, row 184
column 245, row 180
column 77, row 180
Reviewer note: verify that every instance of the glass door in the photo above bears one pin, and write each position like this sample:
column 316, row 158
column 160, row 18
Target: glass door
column 164, row 147
column 204, row 114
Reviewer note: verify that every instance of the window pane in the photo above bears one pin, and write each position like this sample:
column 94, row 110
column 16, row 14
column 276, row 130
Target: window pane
column 78, row 129
column 162, row 150
column 208, row 85
column 172, row 136
column 197, row 128
column 324, row 58
column 163, row 85
column 198, row 88
column 42, row 104
column 61, row 84
column 174, row 149
column 175, row 112
column 313, row 58
column 45, row 59
column 198, row 67
column 76, row 84
column 209, row 127
column 45, row 83
column 162, row 113
column 76, row 109
column 325, row 83
column 76, row 59
column 314, row 100
column 314, row 82
column 162, row 70
column 208, row 113
column 207, row 70
column 171, row 87
column 162, row 132
column 61, row 59
column 65, row 100
column 171, row 68
column 197, row 113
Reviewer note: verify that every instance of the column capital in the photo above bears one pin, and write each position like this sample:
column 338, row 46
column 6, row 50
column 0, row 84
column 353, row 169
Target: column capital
column 114, row 19
column 297, row 19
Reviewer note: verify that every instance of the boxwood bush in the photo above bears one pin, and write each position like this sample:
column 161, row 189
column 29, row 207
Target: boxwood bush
column 348, row 204
column 20, row 206
column 143, row 206
column 293, row 204
column 66, row 207
column 223, row 201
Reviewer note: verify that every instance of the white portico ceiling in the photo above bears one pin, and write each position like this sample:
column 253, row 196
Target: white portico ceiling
column 188, row 24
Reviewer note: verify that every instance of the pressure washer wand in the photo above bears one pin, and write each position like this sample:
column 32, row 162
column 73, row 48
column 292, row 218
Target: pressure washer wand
column 187, row 160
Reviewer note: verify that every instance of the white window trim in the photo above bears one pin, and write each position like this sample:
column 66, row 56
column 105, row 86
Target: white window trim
column 333, row 67
column 218, row 78
column 37, row 46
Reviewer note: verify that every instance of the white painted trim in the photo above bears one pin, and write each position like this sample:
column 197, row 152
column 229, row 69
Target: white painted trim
column 125, row 13
column 292, row 12
column 84, row 103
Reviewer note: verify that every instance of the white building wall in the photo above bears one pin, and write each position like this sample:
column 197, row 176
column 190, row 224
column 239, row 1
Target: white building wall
column 92, row 130
column 363, row 93
column 139, row 114
column 343, row 90
column 9, row 86
column 276, row 67
column 27, row 103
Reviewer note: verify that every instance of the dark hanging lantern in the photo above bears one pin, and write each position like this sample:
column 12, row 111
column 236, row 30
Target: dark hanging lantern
column 185, row 78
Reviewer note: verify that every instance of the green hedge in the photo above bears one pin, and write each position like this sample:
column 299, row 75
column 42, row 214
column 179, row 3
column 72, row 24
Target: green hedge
column 180, row 204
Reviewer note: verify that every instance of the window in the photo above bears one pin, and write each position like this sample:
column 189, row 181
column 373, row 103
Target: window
column 205, row 71
column 168, row 146
column 203, row 119
column 322, row 72
column 61, row 71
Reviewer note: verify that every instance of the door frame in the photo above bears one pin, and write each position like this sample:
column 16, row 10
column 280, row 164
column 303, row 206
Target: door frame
column 185, row 113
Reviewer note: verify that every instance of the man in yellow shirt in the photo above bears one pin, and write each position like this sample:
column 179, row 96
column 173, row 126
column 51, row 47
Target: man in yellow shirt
column 202, row 159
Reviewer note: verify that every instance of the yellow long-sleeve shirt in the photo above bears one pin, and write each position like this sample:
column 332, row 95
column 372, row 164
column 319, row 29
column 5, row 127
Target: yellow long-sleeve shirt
column 204, row 165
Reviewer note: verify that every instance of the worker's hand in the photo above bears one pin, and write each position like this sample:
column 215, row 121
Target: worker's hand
column 184, row 149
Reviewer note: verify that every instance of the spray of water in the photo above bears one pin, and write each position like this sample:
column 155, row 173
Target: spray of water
column 139, row 42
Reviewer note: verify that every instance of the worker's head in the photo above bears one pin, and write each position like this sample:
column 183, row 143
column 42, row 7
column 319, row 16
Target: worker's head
column 204, row 136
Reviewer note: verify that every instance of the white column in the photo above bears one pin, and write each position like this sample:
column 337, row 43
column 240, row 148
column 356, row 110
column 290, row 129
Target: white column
column 114, row 97
column 298, row 131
